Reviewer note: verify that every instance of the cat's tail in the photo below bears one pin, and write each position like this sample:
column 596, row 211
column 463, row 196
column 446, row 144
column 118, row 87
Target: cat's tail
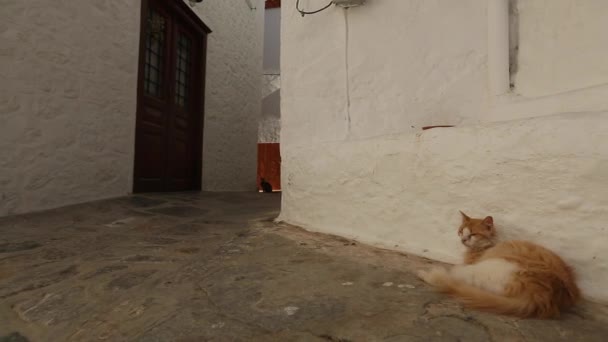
column 476, row 298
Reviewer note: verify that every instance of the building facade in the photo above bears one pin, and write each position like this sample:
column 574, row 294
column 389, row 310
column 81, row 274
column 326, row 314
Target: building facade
column 523, row 82
column 69, row 103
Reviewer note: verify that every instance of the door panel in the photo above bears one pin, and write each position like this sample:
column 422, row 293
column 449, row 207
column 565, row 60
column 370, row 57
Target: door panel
column 181, row 170
column 151, row 134
column 168, row 147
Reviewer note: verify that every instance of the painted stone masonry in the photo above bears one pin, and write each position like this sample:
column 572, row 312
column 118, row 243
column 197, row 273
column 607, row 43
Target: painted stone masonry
column 358, row 85
column 233, row 93
column 67, row 116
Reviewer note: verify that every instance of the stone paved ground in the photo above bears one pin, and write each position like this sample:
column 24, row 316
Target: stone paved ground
column 214, row 267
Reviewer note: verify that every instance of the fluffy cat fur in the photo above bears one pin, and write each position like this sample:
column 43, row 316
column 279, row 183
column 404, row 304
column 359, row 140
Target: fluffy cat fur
column 516, row 278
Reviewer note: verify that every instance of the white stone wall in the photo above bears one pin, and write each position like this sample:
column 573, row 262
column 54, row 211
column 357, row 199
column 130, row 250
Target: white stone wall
column 357, row 86
column 269, row 130
column 377, row 70
column 233, row 93
column 272, row 40
column 68, row 81
column 562, row 46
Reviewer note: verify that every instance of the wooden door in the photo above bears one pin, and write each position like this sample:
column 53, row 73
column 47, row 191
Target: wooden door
column 169, row 125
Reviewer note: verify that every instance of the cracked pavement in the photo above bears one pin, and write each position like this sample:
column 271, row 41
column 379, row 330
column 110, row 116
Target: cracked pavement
column 215, row 267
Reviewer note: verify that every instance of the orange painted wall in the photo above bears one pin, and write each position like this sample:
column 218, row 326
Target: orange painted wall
column 269, row 164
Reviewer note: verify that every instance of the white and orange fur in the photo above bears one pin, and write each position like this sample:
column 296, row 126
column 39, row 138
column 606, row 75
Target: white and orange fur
column 516, row 278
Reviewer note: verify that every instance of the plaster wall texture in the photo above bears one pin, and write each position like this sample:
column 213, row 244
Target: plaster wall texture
column 270, row 124
column 355, row 162
column 568, row 53
column 68, row 99
column 269, row 130
column 383, row 68
column 233, row 96
column 272, row 41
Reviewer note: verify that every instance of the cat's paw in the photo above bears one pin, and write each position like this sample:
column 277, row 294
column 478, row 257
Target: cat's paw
column 434, row 276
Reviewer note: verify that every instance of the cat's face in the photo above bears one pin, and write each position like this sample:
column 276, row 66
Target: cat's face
column 477, row 233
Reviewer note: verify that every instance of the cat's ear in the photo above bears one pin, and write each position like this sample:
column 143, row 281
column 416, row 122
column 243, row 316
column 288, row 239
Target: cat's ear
column 488, row 222
column 465, row 218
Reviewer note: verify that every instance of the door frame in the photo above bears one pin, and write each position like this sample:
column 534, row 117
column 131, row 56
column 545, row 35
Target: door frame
column 182, row 12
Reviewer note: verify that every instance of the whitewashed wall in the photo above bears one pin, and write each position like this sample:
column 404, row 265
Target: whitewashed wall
column 357, row 86
column 68, row 80
column 567, row 54
column 233, row 93
column 270, row 124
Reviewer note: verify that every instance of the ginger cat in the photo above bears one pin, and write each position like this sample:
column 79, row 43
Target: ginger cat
column 516, row 278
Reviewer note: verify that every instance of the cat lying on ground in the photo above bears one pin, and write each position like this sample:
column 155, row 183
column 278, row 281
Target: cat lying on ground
column 516, row 278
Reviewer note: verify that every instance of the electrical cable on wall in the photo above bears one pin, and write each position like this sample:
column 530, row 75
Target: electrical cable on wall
column 303, row 13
